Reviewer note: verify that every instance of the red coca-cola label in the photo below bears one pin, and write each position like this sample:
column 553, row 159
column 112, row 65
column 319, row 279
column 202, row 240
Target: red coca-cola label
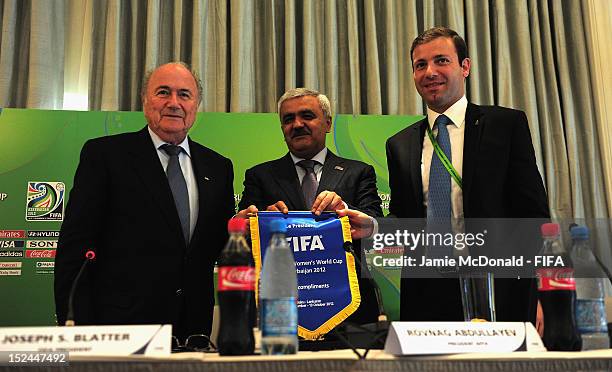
column 40, row 253
column 560, row 279
column 236, row 278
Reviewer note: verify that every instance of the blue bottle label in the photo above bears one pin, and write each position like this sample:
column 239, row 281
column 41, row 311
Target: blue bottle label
column 591, row 315
column 279, row 317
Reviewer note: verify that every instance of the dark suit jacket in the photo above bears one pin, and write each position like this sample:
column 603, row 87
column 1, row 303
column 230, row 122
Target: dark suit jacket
column 122, row 207
column 354, row 181
column 500, row 180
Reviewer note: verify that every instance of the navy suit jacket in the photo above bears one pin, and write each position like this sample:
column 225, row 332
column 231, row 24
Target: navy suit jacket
column 121, row 206
column 354, row 181
column 500, row 180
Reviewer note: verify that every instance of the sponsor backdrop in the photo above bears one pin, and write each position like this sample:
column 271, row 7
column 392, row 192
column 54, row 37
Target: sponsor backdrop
column 39, row 152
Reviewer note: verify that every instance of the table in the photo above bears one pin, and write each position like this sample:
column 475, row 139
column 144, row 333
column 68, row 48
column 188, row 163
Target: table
column 345, row 360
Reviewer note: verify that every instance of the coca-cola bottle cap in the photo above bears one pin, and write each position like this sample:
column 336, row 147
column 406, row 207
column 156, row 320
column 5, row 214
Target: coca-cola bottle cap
column 236, row 225
column 550, row 229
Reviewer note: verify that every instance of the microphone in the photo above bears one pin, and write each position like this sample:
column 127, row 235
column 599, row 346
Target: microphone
column 89, row 256
column 370, row 335
column 382, row 315
column 355, row 336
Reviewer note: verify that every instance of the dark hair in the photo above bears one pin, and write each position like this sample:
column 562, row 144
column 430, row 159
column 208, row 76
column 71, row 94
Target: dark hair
column 147, row 77
column 436, row 32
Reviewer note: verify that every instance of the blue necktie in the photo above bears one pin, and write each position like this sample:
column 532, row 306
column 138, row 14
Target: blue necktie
column 439, row 196
column 178, row 187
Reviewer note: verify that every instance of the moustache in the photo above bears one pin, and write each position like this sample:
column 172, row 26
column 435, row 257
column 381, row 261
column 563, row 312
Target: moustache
column 300, row 132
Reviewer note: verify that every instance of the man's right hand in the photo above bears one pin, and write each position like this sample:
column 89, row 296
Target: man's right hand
column 279, row 206
column 362, row 225
column 246, row 212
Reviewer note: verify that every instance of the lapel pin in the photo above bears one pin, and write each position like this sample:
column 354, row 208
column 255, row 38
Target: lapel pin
column 338, row 168
column 206, row 178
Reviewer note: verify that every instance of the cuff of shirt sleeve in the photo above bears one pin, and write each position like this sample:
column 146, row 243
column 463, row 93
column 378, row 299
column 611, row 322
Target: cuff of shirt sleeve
column 374, row 226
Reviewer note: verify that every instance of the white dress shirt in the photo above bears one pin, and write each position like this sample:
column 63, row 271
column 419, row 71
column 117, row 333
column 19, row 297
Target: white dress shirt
column 187, row 168
column 318, row 168
column 456, row 130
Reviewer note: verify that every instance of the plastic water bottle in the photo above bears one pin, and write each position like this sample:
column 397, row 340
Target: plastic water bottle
column 279, row 320
column 590, row 295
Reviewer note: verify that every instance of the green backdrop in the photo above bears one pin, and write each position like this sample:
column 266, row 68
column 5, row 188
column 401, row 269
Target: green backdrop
column 39, row 147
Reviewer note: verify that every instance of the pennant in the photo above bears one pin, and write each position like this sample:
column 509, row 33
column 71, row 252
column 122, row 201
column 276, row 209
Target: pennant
column 328, row 290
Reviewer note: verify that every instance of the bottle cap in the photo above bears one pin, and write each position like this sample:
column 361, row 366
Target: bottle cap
column 550, row 229
column 278, row 226
column 236, row 225
column 579, row 232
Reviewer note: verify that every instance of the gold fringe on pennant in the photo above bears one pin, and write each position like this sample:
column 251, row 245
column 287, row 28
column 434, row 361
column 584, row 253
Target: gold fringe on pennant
column 256, row 250
column 346, row 229
column 353, row 285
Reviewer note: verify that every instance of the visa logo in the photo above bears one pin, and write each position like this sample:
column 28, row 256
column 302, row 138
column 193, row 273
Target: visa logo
column 11, row 243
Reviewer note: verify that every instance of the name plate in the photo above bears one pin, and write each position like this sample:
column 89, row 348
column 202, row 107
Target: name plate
column 420, row 338
column 90, row 340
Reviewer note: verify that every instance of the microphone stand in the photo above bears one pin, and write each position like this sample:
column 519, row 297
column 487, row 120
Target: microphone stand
column 89, row 256
column 364, row 336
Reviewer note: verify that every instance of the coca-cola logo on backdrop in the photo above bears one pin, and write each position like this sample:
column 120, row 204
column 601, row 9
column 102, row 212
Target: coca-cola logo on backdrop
column 40, row 253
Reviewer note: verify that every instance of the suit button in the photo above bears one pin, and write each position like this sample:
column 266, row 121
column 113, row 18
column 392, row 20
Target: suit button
column 179, row 292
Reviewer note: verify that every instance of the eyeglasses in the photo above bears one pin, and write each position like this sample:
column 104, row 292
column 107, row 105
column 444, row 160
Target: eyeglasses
column 198, row 343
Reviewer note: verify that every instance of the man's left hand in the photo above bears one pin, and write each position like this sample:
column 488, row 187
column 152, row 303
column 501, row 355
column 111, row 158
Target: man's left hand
column 327, row 201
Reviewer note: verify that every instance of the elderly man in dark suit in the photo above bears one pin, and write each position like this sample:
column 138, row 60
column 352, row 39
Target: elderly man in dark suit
column 310, row 177
column 495, row 173
column 154, row 206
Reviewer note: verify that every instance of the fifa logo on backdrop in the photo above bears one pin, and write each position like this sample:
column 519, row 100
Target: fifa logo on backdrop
column 45, row 201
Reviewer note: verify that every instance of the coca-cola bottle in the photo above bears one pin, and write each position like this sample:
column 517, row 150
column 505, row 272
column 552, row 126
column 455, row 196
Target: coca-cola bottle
column 557, row 293
column 235, row 289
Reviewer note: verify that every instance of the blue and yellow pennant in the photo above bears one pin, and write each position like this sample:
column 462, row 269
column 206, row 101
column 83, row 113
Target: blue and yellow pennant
column 328, row 290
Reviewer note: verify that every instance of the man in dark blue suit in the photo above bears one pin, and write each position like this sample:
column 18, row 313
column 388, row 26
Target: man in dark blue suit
column 154, row 206
column 277, row 185
column 492, row 154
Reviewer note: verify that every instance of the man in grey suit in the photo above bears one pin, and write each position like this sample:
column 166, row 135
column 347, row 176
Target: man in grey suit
column 335, row 183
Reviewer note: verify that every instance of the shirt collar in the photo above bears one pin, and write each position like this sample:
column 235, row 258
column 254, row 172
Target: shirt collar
column 456, row 113
column 320, row 157
column 157, row 142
